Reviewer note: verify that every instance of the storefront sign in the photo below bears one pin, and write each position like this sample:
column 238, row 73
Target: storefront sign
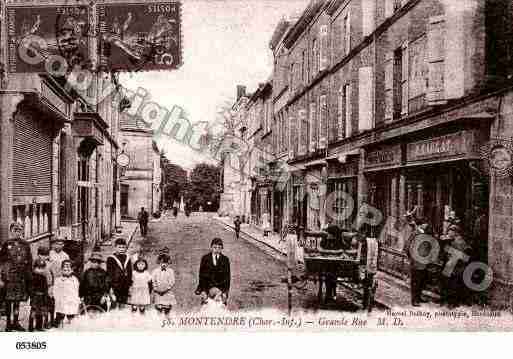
column 452, row 145
column 36, row 33
column 140, row 36
column 384, row 156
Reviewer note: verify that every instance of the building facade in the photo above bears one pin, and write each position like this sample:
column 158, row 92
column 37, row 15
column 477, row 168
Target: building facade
column 140, row 181
column 376, row 106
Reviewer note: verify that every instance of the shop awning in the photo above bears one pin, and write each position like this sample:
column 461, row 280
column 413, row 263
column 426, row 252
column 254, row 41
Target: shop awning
column 320, row 162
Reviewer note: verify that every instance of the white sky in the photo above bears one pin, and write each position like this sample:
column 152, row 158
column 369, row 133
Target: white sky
column 225, row 43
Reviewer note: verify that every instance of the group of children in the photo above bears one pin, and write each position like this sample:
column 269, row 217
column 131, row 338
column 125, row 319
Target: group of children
column 55, row 289
column 52, row 271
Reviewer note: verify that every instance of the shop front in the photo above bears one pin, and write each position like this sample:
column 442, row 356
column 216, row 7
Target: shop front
column 342, row 190
column 436, row 174
column 30, row 125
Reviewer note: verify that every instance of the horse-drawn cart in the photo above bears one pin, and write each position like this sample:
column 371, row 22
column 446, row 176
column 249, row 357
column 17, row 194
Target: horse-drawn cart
column 354, row 267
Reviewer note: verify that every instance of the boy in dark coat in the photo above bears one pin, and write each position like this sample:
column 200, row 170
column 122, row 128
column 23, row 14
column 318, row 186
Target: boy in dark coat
column 95, row 283
column 38, row 296
column 119, row 270
column 214, row 271
column 43, row 254
column 16, row 273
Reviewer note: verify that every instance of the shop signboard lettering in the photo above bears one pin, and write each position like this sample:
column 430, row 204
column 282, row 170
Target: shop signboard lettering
column 384, row 156
column 451, row 145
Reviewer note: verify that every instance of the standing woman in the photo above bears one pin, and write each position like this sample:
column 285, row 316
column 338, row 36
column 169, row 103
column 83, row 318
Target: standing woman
column 16, row 270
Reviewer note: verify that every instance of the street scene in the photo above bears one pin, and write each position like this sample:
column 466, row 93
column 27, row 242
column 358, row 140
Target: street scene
column 307, row 157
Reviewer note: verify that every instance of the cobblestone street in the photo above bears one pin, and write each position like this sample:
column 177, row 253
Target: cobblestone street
column 256, row 270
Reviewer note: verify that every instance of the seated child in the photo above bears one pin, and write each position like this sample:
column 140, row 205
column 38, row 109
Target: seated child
column 215, row 301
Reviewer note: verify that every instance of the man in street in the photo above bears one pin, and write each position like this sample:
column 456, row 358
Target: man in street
column 214, row 271
column 143, row 218
column 16, row 271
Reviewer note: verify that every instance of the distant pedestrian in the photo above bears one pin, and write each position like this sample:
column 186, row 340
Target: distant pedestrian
column 214, row 271
column 16, row 273
column 119, row 269
column 143, row 218
column 140, row 291
column 38, row 296
column 66, row 294
column 236, row 224
column 95, row 284
column 163, row 278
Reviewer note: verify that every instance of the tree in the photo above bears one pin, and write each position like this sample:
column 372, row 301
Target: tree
column 203, row 187
column 174, row 180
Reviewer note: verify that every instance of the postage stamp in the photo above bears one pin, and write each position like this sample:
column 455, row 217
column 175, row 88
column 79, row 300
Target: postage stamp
column 256, row 166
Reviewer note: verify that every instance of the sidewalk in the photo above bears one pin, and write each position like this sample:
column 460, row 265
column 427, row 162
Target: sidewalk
column 391, row 292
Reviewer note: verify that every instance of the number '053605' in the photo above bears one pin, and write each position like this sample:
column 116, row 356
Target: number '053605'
column 31, row 345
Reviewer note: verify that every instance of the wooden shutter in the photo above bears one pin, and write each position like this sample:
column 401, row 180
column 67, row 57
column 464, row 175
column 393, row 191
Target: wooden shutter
column 32, row 154
column 365, row 108
column 389, row 86
column 323, row 52
column 340, row 113
column 347, row 35
column 313, row 127
column 389, row 8
column 348, row 118
column 292, row 127
column 368, row 12
column 323, row 116
column 303, row 133
column 436, row 55
column 404, row 79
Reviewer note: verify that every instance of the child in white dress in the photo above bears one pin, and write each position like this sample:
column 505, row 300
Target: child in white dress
column 215, row 302
column 65, row 292
column 163, row 278
column 141, row 288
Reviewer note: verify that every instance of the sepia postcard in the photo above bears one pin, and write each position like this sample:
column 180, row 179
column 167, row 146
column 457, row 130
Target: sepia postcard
column 256, row 166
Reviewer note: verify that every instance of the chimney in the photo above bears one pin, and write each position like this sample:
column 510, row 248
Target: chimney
column 241, row 91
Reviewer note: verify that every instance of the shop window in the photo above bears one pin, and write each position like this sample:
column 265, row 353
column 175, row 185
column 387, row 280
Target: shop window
column 341, row 202
column 36, row 218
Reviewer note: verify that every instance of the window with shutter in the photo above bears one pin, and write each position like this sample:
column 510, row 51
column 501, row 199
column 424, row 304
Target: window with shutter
column 418, row 74
column 303, row 133
column 291, row 127
column 323, row 52
column 365, row 96
column 368, row 13
column 389, row 8
column 389, row 86
column 347, row 33
column 323, row 128
column 436, row 54
column 404, row 79
column 398, row 82
column 314, row 58
column 340, row 112
column 348, row 116
column 313, row 127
